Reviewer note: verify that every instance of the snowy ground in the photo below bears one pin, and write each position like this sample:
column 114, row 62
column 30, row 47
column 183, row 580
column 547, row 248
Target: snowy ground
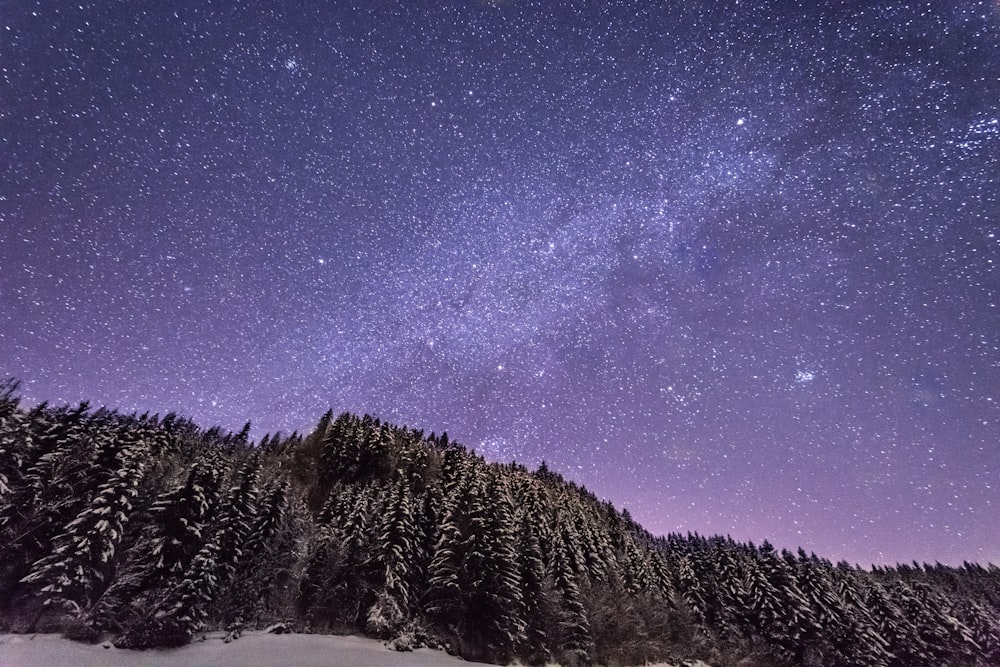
column 253, row 649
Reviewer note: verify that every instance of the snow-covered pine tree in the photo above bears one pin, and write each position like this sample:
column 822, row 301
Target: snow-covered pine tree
column 236, row 514
column 323, row 558
column 473, row 594
column 374, row 456
column 270, row 517
column 178, row 530
column 661, row 573
column 354, row 584
column 15, row 443
column 325, row 553
column 984, row 624
column 572, row 635
column 341, row 450
column 727, row 602
column 689, row 590
column 184, row 609
column 338, row 585
column 634, row 567
column 565, row 534
column 843, row 629
column 455, row 472
column 906, row 645
column 596, row 555
column 539, row 614
column 83, row 557
column 442, row 601
column 427, row 516
column 53, row 490
column 794, row 626
column 763, row 606
column 268, row 556
column 413, row 461
column 851, row 586
column 498, row 601
column 185, row 604
column 397, row 554
column 949, row 640
column 176, row 548
column 232, row 531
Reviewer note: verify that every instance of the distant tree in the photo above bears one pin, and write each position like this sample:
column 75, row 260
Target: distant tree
column 843, row 627
column 340, row 457
column 984, row 625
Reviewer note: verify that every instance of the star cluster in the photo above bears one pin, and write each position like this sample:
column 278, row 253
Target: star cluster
column 733, row 266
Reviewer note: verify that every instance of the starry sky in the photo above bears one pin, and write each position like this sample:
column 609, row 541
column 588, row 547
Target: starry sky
column 731, row 265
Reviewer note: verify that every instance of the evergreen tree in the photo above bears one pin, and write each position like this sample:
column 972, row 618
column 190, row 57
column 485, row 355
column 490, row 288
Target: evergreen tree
column 727, row 599
column 339, row 584
column 268, row 557
column 573, row 631
column 535, row 592
column 984, row 625
column 906, row 646
column 15, row 443
column 53, row 490
column 794, row 626
column 398, row 544
column 690, row 590
column 473, row 585
column 184, row 609
column 843, row 628
column 180, row 516
column 442, row 601
column 341, row 450
column 237, row 513
column 176, row 549
column 83, row 558
column 498, row 605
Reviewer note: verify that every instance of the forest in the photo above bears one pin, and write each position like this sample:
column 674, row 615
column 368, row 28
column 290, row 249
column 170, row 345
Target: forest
column 150, row 529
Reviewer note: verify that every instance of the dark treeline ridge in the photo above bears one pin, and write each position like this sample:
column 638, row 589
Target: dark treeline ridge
column 150, row 530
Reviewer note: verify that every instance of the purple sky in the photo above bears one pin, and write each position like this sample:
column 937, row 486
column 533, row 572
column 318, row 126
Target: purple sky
column 733, row 266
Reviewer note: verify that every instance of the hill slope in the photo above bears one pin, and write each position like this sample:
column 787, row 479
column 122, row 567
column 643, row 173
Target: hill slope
column 152, row 529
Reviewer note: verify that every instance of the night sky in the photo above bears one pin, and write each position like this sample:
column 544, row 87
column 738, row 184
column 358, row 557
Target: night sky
column 731, row 265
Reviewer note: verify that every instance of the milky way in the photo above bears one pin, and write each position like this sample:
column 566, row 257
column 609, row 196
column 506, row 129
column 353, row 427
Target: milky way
column 733, row 266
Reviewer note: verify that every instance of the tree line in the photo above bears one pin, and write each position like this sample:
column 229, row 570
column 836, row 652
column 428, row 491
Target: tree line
column 151, row 530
